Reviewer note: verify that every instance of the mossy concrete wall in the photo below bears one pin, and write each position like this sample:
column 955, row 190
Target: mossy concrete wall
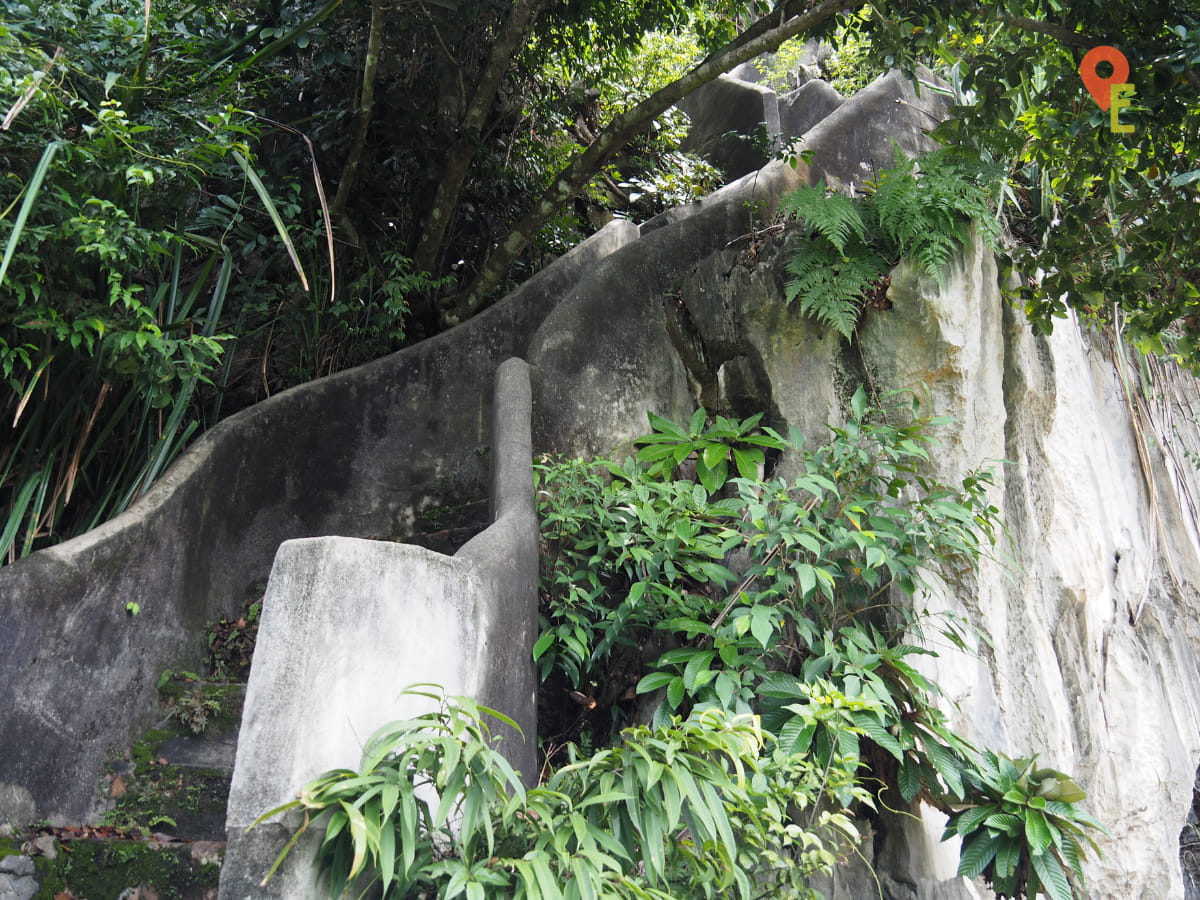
column 360, row 453
column 347, row 624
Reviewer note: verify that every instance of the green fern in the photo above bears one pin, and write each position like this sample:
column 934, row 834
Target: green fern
column 833, row 216
column 831, row 286
column 926, row 216
column 920, row 210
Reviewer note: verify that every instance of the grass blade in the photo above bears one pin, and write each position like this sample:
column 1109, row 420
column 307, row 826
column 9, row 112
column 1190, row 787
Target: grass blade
column 265, row 196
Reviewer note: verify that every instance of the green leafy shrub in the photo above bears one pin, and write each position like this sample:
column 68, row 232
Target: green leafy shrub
column 699, row 808
column 631, row 551
column 922, row 211
column 812, row 628
column 1022, row 831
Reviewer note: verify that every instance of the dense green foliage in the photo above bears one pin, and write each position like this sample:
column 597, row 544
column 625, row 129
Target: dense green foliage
column 769, row 623
column 701, row 808
column 641, row 559
column 1109, row 220
column 169, row 257
column 122, row 229
column 813, row 630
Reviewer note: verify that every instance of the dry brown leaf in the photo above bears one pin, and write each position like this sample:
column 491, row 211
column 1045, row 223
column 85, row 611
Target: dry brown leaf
column 117, row 788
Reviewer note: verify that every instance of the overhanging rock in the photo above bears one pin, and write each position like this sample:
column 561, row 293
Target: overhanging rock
column 347, row 624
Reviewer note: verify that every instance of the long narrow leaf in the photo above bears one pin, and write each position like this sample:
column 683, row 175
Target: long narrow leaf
column 31, row 191
column 265, row 196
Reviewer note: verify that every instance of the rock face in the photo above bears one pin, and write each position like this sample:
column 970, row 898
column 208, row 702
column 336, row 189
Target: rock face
column 734, row 124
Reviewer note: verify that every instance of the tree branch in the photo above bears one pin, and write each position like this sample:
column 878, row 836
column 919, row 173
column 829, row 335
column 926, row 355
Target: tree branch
column 762, row 37
column 1058, row 32
column 454, row 173
column 366, row 111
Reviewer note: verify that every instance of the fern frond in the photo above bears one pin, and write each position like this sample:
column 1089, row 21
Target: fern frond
column 924, row 214
column 894, row 194
column 934, row 255
column 831, row 286
column 833, row 216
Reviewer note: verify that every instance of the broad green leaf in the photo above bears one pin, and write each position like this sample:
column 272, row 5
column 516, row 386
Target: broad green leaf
column 387, row 854
column 1052, row 876
column 711, row 478
column 1037, row 832
column 583, row 879
column 747, row 462
column 603, row 799
column 946, row 765
column 909, row 780
column 675, row 692
column 969, row 819
column 1008, row 854
column 762, row 625
column 699, row 662
column 858, row 403
column 654, row 681
column 977, row 852
column 543, row 644
column 666, row 427
column 358, row 835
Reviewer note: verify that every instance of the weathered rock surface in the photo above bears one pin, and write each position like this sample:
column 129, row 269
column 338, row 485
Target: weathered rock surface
column 803, row 108
column 17, row 879
column 734, row 124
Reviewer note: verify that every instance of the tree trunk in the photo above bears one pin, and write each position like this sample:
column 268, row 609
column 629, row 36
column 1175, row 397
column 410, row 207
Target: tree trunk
column 762, row 37
column 366, row 110
column 469, row 133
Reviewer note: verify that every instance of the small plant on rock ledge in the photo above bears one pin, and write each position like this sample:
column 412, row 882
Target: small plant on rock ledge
column 1022, row 830
column 916, row 210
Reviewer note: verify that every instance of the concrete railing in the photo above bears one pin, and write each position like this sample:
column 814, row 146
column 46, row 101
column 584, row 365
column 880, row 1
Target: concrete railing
column 347, row 624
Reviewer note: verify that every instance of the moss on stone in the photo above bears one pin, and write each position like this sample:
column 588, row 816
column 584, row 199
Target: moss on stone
column 101, row 870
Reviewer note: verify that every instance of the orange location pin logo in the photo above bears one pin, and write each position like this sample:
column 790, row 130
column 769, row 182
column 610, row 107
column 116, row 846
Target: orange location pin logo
column 1098, row 86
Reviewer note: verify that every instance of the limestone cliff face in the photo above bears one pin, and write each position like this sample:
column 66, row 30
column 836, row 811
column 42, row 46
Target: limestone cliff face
column 1090, row 605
